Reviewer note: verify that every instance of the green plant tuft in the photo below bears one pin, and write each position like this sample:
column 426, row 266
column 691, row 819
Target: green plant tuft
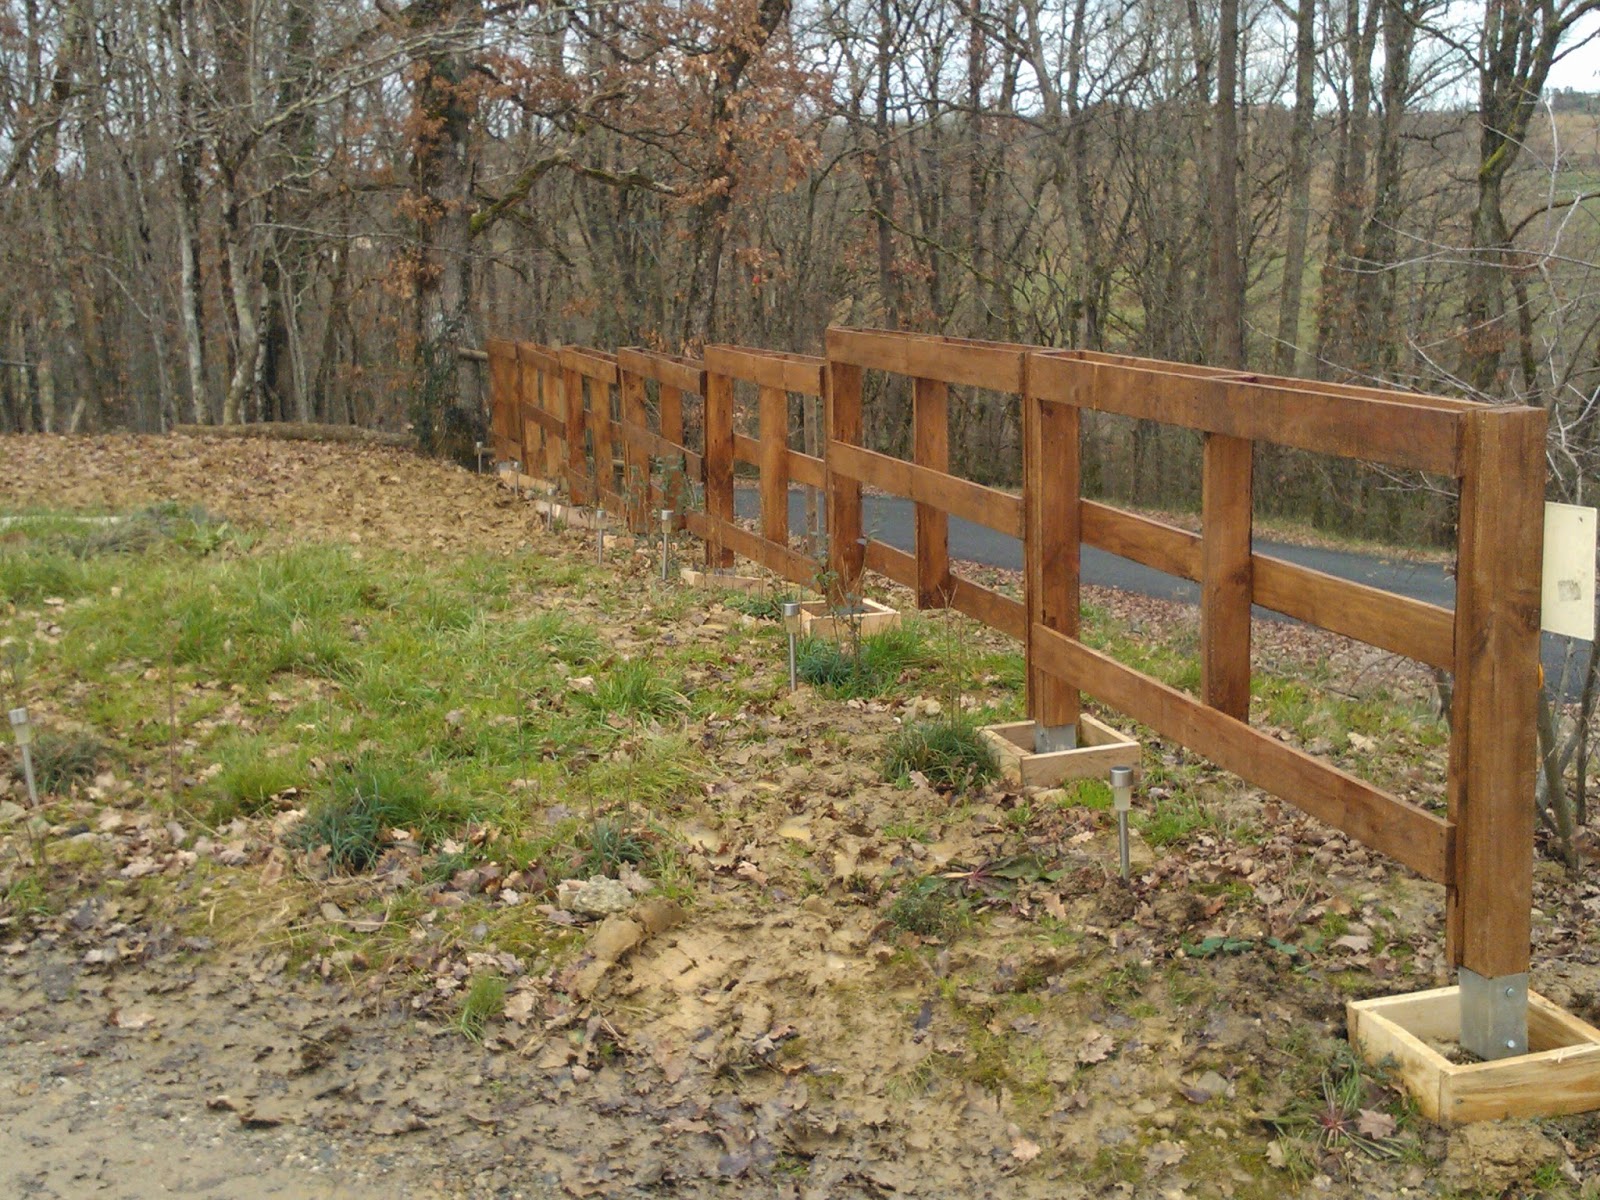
column 485, row 999
column 866, row 667
column 63, row 759
column 637, row 689
column 369, row 798
column 949, row 753
column 926, row 908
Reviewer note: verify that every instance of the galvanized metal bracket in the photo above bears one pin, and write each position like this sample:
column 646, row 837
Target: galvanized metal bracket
column 1047, row 739
column 1494, row 1014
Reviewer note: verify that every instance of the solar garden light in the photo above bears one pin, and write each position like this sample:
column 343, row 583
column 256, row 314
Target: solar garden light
column 791, row 623
column 516, row 475
column 1122, row 801
column 23, row 729
column 667, row 518
column 478, row 448
column 599, row 535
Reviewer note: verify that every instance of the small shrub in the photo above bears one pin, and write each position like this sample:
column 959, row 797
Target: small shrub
column 925, row 908
column 763, row 607
column 63, row 759
column 250, row 778
column 484, row 1000
column 950, row 753
column 364, row 801
column 866, row 668
column 607, row 845
column 636, row 688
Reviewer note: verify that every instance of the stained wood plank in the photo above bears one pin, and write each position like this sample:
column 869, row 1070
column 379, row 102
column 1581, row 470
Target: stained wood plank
column 637, row 483
column 774, row 417
column 999, row 612
column 973, row 502
column 806, row 469
column 1398, row 433
column 1052, row 551
column 1383, row 619
column 891, row 563
column 1154, row 543
column 686, row 374
column 1225, row 574
column 591, row 364
column 930, row 424
column 577, row 467
column 846, row 551
column 802, row 374
column 719, row 464
column 1493, row 751
column 977, row 364
column 1404, row 832
column 790, row 564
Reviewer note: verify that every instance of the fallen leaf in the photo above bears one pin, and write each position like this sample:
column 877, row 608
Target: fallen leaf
column 1096, row 1047
column 1375, row 1124
column 1024, row 1151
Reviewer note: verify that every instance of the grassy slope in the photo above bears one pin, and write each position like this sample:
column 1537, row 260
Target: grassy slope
column 412, row 736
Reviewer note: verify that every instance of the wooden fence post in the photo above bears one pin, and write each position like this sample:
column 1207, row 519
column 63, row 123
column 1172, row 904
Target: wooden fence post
column 846, row 550
column 577, row 462
column 719, row 464
column 930, row 421
column 670, row 402
column 549, row 400
column 534, row 436
column 638, row 493
column 1052, row 532
column 1494, row 750
column 775, row 465
column 1225, row 573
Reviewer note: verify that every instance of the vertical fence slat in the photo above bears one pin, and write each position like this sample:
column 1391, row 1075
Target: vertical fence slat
column 775, row 465
column 638, row 496
column 550, row 401
column 1494, row 752
column 1052, row 528
column 1225, row 574
column 577, row 462
column 719, row 463
column 930, row 421
column 846, row 552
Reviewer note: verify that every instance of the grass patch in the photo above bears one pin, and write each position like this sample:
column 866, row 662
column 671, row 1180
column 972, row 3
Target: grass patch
column 927, row 909
column 63, row 759
column 365, row 801
column 949, row 753
column 867, row 667
column 484, row 1000
column 763, row 606
column 250, row 777
column 636, row 689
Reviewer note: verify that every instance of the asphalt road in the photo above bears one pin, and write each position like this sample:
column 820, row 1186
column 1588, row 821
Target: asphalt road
column 890, row 519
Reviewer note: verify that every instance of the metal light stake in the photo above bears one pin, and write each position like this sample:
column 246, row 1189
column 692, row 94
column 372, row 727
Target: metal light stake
column 791, row 622
column 599, row 536
column 23, row 729
column 667, row 517
column 1122, row 801
column 478, row 447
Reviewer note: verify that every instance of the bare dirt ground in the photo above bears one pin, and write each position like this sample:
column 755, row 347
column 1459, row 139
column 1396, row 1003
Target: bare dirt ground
column 776, row 1026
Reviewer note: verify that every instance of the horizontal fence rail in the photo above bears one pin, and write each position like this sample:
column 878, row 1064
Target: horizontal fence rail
column 616, row 431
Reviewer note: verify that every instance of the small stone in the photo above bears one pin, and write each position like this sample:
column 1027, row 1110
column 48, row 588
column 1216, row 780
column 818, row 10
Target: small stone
column 598, row 897
column 658, row 915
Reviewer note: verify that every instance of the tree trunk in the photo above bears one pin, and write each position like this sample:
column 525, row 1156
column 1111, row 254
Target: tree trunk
column 446, row 405
column 1294, row 256
column 1228, row 331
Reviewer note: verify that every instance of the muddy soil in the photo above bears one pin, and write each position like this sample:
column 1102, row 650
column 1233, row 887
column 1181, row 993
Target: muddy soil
column 776, row 1036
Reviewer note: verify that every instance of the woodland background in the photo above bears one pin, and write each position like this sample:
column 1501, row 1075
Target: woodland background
column 255, row 210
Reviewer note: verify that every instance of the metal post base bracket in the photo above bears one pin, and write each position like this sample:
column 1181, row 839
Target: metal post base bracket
column 1494, row 1014
column 1050, row 739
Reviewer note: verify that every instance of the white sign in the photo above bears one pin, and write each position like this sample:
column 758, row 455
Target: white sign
column 1569, row 549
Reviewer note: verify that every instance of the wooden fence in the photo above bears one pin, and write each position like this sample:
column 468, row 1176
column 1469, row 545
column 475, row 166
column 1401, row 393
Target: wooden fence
column 1481, row 850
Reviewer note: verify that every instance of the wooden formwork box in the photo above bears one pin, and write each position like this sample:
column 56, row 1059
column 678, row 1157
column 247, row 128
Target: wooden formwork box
column 1560, row 1074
